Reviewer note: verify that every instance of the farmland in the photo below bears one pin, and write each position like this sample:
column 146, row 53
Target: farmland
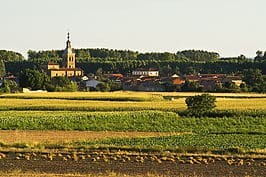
column 134, row 124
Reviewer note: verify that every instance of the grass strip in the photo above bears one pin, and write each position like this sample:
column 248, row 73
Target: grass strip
column 129, row 121
column 220, row 143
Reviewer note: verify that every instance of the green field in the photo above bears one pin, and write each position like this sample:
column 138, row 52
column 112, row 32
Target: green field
column 225, row 143
column 237, row 124
column 144, row 121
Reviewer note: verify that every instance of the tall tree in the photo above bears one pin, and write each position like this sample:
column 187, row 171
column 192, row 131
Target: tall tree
column 254, row 80
column 259, row 56
column 2, row 69
column 10, row 56
column 33, row 79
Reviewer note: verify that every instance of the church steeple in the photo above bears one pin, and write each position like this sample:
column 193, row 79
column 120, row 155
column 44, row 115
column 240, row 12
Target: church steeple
column 68, row 45
column 68, row 55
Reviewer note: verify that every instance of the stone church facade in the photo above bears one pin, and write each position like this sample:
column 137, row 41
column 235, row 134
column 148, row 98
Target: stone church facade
column 68, row 68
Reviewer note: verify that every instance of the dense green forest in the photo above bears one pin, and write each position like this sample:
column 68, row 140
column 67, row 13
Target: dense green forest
column 125, row 61
column 122, row 55
column 9, row 56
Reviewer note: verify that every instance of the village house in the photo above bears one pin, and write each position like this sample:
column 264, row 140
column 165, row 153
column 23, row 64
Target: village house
column 174, row 79
column 116, row 78
column 236, row 80
column 146, row 72
column 209, row 82
column 92, row 83
column 142, row 83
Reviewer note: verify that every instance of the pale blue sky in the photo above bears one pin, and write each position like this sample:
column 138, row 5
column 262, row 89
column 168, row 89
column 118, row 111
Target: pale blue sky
column 230, row 27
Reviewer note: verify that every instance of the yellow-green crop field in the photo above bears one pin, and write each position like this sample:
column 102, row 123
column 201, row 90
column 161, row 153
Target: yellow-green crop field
column 126, row 101
column 138, row 112
column 127, row 130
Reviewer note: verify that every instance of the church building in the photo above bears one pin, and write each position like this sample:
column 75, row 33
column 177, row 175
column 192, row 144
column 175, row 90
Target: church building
column 68, row 68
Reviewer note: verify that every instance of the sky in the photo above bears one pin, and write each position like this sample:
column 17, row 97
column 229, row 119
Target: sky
column 229, row 27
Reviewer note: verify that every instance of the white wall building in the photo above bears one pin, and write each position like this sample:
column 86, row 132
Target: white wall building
column 149, row 72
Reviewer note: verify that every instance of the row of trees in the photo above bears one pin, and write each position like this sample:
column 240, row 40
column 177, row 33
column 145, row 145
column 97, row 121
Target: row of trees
column 123, row 55
column 173, row 67
column 165, row 67
column 124, row 61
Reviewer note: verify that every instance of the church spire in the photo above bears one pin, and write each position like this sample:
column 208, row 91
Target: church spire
column 68, row 45
column 68, row 55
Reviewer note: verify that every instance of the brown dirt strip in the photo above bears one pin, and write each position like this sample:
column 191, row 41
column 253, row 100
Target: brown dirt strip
column 109, row 174
column 169, row 169
column 37, row 136
column 78, row 175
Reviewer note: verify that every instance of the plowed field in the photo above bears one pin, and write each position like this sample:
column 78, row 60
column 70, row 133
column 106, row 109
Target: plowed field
column 130, row 164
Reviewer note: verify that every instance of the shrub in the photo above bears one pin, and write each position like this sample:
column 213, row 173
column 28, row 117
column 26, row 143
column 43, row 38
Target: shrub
column 200, row 104
column 103, row 87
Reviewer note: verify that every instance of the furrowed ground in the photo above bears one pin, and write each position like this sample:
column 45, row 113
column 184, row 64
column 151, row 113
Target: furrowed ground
column 151, row 129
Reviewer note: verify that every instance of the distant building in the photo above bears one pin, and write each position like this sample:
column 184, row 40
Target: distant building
column 142, row 83
column 236, row 80
column 68, row 68
column 178, row 81
column 117, row 78
column 92, row 83
column 146, row 72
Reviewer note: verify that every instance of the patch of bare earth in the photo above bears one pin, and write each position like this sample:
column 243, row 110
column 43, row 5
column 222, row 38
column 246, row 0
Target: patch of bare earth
column 109, row 174
column 32, row 136
column 38, row 165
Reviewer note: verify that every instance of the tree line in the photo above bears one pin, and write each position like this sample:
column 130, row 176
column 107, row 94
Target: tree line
column 165, row 67
column 122, row 55
column 125, row 61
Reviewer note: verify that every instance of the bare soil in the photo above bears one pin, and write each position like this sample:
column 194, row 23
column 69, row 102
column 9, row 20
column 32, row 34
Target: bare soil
column 33, row 136
column 129, row 164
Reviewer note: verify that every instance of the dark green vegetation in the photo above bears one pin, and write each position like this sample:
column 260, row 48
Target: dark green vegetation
column 255, row 81
column 147, row 121
column 33, row 79
column 124, row 61
column 7, row 56
column 2, row 69
column 220, row 143
column 200, row 104
column 36, row 80
column 118, row 55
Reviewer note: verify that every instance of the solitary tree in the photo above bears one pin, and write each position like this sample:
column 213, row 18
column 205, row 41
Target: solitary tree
column 200, row 104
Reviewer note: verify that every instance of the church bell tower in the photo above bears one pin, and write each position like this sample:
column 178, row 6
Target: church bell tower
column 68, row 55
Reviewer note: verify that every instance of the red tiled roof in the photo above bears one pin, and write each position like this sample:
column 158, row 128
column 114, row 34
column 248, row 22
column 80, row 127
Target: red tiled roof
column 114, row 75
